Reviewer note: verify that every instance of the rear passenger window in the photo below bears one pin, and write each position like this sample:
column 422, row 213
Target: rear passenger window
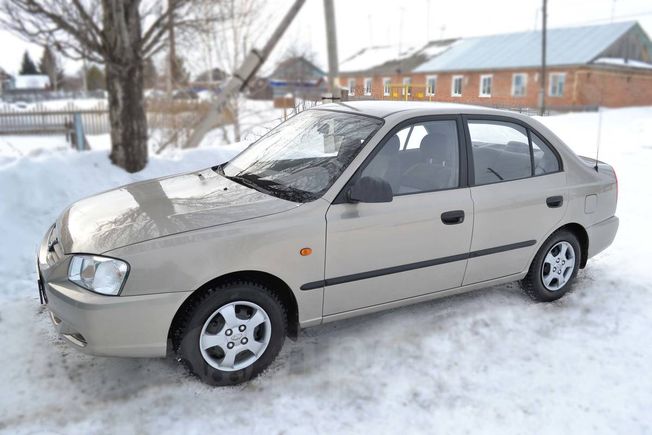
column 501, row 151
column 545, row 160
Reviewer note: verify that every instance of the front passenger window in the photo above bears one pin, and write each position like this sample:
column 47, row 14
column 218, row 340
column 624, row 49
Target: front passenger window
column 422, row 157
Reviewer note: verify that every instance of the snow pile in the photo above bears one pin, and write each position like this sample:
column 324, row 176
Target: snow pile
column 491, row 360
column 36, row 189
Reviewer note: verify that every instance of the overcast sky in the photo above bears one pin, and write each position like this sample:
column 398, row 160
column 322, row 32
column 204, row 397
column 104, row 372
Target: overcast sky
column 361, row 23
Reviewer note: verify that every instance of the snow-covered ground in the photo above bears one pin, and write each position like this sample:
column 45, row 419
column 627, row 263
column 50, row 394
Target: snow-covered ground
column 488, row 361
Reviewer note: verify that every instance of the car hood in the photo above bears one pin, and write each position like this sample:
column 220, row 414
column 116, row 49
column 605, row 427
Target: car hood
column 160, row 207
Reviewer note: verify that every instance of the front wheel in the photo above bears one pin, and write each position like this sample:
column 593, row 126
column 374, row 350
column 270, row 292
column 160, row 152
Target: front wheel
column 554, row 268
column 231, row 333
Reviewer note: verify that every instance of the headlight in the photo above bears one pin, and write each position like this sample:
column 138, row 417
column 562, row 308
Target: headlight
column 98, row 274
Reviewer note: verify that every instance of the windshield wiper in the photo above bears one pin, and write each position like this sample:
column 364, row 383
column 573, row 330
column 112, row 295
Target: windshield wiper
column 246, row 181
column 272, row 187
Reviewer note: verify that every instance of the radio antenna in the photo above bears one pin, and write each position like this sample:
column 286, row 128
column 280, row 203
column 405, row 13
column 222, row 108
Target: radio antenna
column 597, row 147
column 597, row 150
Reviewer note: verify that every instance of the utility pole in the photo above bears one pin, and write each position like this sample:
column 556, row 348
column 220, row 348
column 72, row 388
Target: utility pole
column 331, row 41
column 428, row 20
column 400, row 32
column 172, row 54
column 542, row 91
column 241, row 76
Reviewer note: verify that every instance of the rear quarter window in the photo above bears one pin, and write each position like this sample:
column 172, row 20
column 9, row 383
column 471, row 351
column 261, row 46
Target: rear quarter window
column 545, row 159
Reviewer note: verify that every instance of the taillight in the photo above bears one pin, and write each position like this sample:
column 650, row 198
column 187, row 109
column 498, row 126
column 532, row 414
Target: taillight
column 616, row 175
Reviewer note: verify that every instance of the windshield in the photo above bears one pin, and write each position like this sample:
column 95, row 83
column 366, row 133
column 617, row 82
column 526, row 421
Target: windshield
column 301, row 158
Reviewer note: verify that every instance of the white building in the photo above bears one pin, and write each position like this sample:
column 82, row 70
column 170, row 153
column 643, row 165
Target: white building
column 31, row 82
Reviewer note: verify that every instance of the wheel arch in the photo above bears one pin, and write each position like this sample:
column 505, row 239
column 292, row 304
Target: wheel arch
column 272, row 282
column 582, row 236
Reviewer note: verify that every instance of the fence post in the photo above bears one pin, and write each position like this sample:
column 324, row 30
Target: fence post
column 80, row 140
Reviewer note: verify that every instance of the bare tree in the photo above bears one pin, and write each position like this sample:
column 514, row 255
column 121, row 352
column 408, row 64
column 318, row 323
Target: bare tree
column 121, row 34
column 226, row 29
column 49, row 65
column 303, row 78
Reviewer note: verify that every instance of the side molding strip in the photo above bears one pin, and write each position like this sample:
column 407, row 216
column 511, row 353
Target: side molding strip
column 411, row 266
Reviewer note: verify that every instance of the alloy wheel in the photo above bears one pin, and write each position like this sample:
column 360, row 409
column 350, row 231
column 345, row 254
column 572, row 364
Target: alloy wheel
column 558, row 266
column 235, row 336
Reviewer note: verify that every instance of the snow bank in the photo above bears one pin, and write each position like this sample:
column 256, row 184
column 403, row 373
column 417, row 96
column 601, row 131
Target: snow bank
column 490, row 361
column 35, row 189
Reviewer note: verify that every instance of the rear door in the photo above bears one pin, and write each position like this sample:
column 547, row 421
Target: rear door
column 414, row 245
column 519, row 194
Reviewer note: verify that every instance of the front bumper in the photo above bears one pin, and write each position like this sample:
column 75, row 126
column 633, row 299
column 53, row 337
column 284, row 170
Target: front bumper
column 126, row 326
column 130, row 326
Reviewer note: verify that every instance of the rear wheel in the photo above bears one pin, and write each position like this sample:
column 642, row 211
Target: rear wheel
column 231, row 333
column 554, row 267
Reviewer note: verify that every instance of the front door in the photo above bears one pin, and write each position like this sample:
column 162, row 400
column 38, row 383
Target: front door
column 416, row 244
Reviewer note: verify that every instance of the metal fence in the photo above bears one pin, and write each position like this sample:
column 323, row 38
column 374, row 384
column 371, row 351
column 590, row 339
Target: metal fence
column 15, row 121
column 44, row 119
column 39, row 95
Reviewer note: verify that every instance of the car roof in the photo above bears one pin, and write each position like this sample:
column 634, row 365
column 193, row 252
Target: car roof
column 383, row 109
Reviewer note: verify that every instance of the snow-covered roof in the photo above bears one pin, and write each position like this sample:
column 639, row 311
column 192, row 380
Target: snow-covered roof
column 36, row 81
column 371, row 58
column 565, row 46
column 627, row 63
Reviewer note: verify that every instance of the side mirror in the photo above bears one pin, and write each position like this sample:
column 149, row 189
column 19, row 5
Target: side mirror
column 371, row 189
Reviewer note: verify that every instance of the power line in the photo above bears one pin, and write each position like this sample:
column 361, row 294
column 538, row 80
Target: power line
column 614, row 18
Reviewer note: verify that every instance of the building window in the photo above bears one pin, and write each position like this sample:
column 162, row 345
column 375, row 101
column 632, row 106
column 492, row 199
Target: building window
column 387, row 86
column 485, row 85
column 431, row 85
column 367, row 86
column 557, row 82
column 407, row 84
column 456, row 88
column 351, row 86
column 519, row 83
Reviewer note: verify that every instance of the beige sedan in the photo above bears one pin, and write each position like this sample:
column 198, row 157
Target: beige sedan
column 343, row 210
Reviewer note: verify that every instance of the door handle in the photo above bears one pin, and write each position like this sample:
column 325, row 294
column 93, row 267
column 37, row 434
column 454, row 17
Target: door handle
column 452, row 217
column 554, row 201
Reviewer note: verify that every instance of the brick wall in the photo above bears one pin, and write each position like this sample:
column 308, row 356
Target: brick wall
column 614, row 88
column 377, row 89
column 583, row 87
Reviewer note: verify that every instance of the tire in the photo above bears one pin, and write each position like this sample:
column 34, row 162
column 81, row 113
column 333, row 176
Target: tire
column 221, row 352
column 549, row 277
